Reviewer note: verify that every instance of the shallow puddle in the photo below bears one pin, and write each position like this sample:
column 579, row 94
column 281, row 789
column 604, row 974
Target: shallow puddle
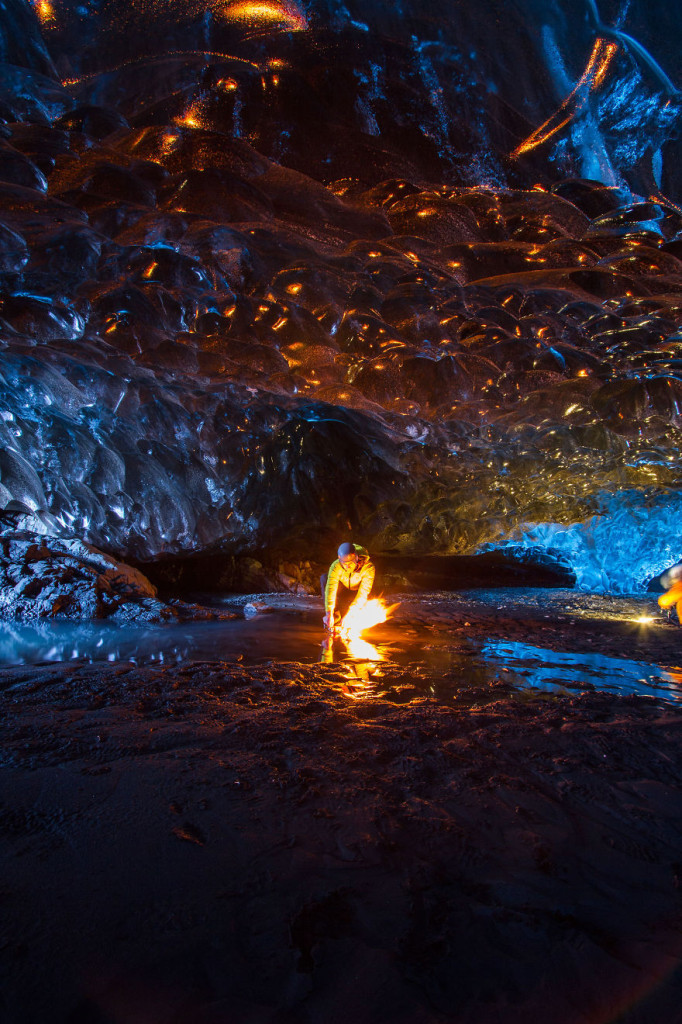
column 553, row 671
column 438, row 667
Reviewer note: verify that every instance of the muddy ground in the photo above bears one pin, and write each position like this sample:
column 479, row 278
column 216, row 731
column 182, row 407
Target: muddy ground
column 280, row 843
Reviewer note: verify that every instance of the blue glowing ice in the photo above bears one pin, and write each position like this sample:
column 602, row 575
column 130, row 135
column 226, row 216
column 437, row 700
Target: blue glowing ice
column 633, row 539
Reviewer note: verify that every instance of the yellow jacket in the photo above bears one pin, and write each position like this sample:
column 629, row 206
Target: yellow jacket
column 359, row 578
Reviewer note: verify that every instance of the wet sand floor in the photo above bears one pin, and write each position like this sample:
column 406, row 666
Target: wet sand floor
column 239, row 841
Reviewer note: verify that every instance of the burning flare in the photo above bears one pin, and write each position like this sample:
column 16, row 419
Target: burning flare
column 673, row 596
column 357, row 620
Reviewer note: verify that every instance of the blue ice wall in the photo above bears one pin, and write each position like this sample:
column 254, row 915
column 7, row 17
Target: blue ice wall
column 633, row 539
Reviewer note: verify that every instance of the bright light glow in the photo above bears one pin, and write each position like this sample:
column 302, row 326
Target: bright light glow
column 287, row 15
column 192, row 117
column 357, row 620
column 45, row 11
column 362, row 650
column 644, row 620
column 169, row 142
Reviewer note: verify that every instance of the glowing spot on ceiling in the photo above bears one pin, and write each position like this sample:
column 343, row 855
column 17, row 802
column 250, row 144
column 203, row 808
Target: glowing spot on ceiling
column 287, row 16
column 45, row 12
column 192, row 118
column 169, row 142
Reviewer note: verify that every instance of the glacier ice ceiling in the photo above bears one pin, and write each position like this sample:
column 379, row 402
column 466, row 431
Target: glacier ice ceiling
column 274, row 271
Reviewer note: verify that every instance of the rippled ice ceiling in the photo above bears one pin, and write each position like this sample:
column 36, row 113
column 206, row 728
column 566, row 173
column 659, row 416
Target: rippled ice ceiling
column 273, row 271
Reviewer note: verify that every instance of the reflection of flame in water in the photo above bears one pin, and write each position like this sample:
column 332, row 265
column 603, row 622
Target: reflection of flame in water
column 285, row 14
column 357, row 649
column 362, row 650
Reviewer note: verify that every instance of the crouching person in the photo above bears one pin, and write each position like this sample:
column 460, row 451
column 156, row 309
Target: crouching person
column 347, row 584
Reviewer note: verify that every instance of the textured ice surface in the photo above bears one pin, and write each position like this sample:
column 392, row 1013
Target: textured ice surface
column 632, row 540
column 269, row 275
column 44, row 578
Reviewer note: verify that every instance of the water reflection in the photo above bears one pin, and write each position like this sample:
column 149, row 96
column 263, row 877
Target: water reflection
column 268, row 636
column 362, row 650
column 354, row 648
column 400, row 665
column 357, row 658
column 555, row 671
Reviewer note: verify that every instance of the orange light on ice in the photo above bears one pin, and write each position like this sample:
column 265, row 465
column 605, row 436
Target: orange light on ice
column 591, row 78
column 285, row 14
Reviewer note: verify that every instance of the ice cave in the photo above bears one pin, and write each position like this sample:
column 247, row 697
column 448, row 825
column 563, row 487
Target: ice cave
column 278, row 274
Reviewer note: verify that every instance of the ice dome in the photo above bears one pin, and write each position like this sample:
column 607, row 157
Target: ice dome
column 276, row 271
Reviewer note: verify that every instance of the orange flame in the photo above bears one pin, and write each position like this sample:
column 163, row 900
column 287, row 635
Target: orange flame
column 673, row 596
column 192, row 117
column 358, row 619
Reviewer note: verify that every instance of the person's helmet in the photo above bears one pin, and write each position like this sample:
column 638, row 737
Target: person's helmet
column 346, row 549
